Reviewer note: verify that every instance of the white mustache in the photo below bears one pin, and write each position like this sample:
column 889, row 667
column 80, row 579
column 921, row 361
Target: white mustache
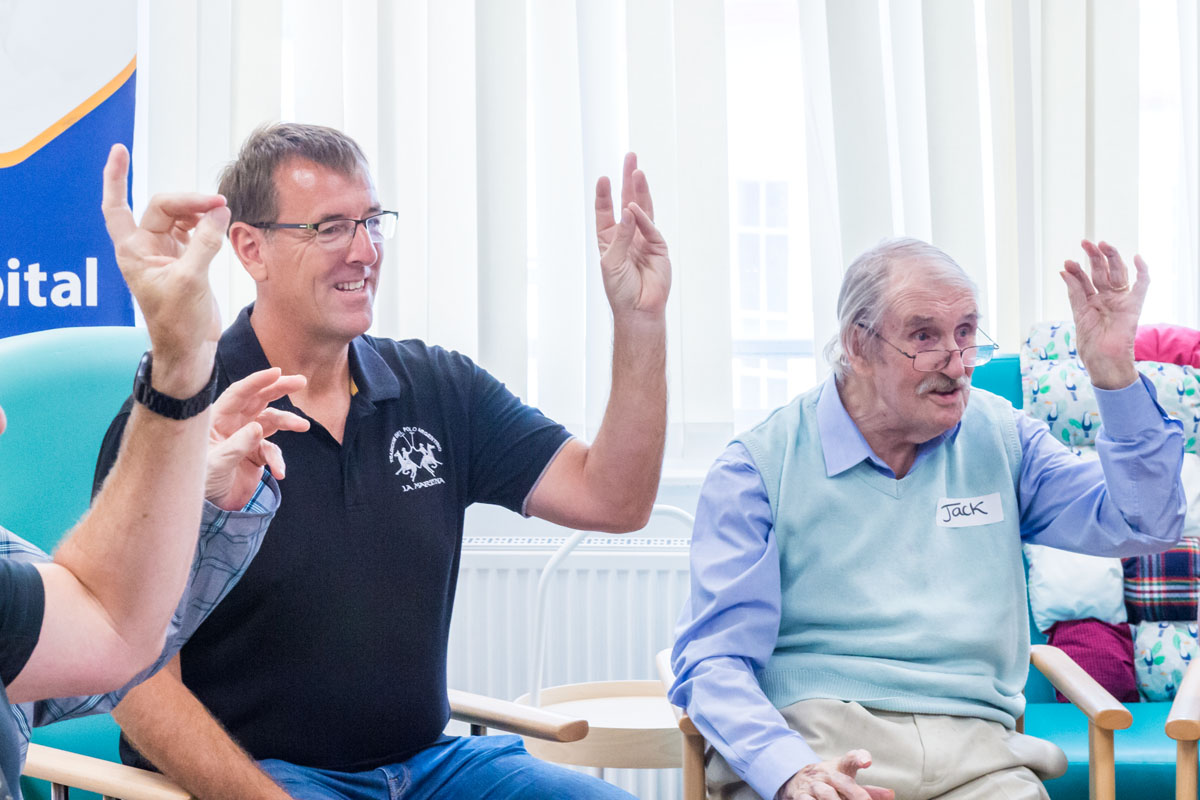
column 937, row 382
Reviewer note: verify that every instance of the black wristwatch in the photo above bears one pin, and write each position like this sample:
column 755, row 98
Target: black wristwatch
column 165, row 405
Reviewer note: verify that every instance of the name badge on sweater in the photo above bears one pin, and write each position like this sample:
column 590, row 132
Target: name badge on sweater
column 968, row 512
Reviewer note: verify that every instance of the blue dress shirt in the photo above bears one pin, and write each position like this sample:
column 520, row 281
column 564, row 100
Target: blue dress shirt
column 1125, row 503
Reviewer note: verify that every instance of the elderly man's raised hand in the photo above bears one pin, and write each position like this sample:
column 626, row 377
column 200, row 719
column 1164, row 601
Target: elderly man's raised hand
column 633, row 254
column 238, row 447
column 165, row 262
column 833, row 780
column 1106, row 308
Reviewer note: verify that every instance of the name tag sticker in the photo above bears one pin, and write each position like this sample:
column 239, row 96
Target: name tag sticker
column 969, row 512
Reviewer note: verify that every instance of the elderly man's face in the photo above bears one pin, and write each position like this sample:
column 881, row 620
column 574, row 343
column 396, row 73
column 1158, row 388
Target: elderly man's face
column 921, row 316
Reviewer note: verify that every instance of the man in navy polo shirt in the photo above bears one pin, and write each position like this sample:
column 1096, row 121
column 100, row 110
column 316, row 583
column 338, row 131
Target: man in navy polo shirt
column 323, row 673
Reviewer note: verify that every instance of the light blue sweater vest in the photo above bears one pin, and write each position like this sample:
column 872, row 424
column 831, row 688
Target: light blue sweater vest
column 881, row 604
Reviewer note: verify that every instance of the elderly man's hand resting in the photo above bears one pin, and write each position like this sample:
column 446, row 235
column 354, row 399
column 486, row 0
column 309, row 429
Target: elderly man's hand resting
column 237, row 441
column 833, row 780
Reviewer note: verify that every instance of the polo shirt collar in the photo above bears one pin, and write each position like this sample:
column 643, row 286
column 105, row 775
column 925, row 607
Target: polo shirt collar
column 242, row 354
column 843, row 444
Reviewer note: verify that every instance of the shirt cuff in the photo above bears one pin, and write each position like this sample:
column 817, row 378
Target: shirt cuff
column 1128, row 413
column 777, row 763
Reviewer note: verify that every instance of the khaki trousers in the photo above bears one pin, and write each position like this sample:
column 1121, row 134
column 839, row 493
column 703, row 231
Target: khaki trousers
column 919, row 756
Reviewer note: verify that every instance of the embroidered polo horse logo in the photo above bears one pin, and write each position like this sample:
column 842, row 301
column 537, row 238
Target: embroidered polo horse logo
column 415, row 451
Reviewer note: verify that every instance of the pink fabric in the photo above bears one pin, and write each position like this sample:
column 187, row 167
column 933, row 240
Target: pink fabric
column 1170, row 344
column 1104, row 650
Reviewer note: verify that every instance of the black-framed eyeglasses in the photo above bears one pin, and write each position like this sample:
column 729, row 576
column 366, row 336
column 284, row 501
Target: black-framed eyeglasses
column 937, row 360
column 335, row 234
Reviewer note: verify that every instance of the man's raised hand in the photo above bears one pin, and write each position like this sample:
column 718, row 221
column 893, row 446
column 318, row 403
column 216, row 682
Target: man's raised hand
column 238, row 447
column 164, row 260
column 1106, row 306
column 633, row 254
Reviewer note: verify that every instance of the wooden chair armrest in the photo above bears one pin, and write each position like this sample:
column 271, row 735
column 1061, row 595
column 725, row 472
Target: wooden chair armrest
column 667, row 676
column 1183, row 723
column 1100, row 707
column 477, row 709
column 97, row 775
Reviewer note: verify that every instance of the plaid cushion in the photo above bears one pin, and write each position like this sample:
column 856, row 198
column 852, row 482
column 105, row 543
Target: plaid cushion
column 1163, row 587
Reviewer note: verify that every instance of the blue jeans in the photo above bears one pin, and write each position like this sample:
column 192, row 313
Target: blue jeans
column 483, row 767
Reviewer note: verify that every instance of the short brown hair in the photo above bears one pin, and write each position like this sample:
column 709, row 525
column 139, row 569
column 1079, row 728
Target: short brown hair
column 248, row 182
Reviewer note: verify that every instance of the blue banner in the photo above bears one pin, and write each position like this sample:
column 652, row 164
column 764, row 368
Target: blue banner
column 57, row 267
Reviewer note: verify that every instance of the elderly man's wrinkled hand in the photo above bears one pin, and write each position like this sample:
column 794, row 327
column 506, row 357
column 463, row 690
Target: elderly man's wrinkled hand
column 242, row 421
column 833, row 780
column 1106, row 305
column 165, row 261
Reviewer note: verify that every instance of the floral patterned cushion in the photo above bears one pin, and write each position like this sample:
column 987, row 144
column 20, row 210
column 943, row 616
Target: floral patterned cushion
column 1161, row 653
column 1057, row 390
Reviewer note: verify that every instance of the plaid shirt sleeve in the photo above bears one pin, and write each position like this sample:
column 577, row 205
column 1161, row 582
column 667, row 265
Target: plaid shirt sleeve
column 227, row 544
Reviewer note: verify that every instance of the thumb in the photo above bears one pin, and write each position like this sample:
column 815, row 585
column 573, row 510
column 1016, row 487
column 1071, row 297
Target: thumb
column 206, row 239
column 853, row 761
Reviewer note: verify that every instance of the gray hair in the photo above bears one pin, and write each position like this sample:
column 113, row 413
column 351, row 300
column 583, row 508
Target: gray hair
column 248, row 182
column 865, row 293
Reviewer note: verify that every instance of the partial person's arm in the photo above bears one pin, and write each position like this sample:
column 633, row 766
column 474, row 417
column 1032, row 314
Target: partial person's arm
column 611, row 484
column 1133, row 500
column 1129, row 501
column 114, row 583
column 173, row 729
column 229, row 540
column 727, row 630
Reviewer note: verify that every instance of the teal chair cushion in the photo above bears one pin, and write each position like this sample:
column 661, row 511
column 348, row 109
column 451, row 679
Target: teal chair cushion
column 1145, row 757
column 59, row 390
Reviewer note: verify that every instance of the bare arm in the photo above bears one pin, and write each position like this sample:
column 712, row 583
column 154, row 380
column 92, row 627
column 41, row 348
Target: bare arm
column 611, row 484
column 114, row 583
column 169, row 726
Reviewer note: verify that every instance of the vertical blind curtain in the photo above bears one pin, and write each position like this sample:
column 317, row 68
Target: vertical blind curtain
column 487, row 124
column 1001, row 130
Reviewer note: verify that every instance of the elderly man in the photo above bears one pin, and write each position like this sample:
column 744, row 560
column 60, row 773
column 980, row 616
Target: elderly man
column 96, row 614
column 839, row 620
column 327, row 662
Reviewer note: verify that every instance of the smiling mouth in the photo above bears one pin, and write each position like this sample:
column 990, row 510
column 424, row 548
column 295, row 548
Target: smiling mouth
column 350, row 287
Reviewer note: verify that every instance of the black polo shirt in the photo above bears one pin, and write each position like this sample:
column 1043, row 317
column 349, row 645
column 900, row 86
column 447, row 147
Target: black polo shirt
column 331, row 650
column 22, row 606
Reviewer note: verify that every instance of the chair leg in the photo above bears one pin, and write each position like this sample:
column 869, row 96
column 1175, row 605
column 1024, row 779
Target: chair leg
column 693, row 768
column 1101, row 764
column 59, row 792
column 1185, row 770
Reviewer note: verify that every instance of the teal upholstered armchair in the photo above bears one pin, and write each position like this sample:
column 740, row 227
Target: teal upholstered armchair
column 59, row 390
column 1142, row 755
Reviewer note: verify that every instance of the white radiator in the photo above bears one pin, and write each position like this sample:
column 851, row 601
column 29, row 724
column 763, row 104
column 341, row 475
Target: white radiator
column 612, row 607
